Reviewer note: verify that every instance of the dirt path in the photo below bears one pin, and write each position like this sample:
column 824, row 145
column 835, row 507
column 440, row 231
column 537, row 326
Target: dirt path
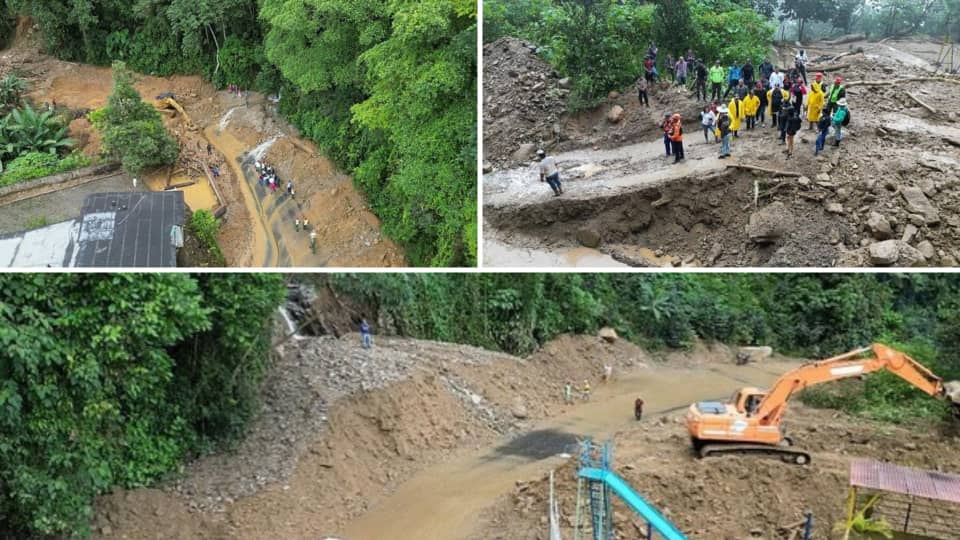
column 443, row 502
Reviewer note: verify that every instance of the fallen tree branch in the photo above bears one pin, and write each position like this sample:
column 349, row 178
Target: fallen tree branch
column 901, row 81
column 955, row 142
column 836, row 67
column 849, row 38
column 921, row 103
column 762, row 169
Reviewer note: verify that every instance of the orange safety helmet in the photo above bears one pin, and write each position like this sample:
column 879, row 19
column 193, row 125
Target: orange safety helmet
column 819, row 76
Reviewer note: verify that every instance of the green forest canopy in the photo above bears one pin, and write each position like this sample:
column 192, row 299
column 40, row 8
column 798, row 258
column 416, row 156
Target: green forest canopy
column 110, row 380
column 386, row 88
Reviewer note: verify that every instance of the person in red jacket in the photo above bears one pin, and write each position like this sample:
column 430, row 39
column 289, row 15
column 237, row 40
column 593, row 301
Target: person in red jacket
column 676, row 138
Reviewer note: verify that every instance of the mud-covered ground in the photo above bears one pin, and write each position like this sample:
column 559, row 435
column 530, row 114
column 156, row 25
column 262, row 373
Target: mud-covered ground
column 732, row 497
column 445, row 441
column 258, row 227
column 893, row 182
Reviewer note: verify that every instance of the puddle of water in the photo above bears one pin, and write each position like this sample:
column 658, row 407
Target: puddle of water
column 199, row 195
column 500, row 254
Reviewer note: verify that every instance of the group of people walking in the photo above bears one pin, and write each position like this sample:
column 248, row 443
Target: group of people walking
column 757, row 94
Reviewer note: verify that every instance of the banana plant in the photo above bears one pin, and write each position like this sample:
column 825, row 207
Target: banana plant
column 12, row 89
column 33, row 131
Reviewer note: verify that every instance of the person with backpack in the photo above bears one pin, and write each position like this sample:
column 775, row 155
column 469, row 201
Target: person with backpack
column 794, row 124
column 785, row 113
column 837, row 92
column 716, row 80
column 665, row 126
column 751, row 104
column 733, row 79
column 815, row 101
column 823, row 125
column 723, row 131
column 708, row 120
column 841, row 118
column 737, row 114
column 776, row 96
column 762, row 107
column 642, row 91
column 676, row 138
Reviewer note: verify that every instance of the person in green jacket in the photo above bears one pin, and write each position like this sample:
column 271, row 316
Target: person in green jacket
column 839, row 118
column 717, row 76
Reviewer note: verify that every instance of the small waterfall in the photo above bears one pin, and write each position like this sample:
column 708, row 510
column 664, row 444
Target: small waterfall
column 260, row 151
column 226, row 118
column 291, row 325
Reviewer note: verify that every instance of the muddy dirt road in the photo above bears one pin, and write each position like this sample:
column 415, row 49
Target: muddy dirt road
column 443, row 502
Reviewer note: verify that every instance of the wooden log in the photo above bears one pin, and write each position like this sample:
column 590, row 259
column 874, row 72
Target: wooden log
column 903, row 80
column 836, row 67
column 764, row 170
column 921, row 103
column 849, row 38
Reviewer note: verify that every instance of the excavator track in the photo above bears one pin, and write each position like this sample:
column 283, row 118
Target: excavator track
column 786, row 453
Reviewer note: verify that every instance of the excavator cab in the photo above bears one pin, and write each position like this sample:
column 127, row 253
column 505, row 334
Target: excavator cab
column 747, row 400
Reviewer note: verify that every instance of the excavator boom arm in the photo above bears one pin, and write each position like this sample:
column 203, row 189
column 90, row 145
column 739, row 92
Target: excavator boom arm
column 847, row 365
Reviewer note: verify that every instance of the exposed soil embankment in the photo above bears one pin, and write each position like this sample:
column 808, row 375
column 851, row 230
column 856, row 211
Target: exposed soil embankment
column 341, row 427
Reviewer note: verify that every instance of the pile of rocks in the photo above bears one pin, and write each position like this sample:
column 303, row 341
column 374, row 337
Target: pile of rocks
column 524, row 100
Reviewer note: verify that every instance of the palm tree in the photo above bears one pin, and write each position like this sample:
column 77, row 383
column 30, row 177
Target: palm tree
column 37, row 132
column 12, row 89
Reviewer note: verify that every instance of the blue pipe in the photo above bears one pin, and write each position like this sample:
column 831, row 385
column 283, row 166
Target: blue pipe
column 662, row 525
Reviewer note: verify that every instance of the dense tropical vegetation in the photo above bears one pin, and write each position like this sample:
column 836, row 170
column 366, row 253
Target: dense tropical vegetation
column 33, row 143
column 114, row 379
column 601, row 44
column 387, row 88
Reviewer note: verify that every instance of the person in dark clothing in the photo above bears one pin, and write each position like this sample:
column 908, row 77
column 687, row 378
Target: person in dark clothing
column 638, row 408
column 766, row 69
column 209, row 149
column 648, row 67
column 798, row 90
column 665, row 126
column 642, row 91
column 746, row 73
column 701, row 80
column 823, row 125
column 785, row 113
column 794, row 123
column 762, row 110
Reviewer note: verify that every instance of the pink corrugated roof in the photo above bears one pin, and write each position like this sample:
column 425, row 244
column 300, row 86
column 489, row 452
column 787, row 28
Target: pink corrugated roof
column 905, row 480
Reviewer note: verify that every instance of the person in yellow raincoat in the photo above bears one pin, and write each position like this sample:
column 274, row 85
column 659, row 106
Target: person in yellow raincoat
column 815, row 100
column 737, row 114
column 751, row 104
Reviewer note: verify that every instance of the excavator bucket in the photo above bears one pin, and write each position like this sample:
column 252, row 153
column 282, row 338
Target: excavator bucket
column 952, row 393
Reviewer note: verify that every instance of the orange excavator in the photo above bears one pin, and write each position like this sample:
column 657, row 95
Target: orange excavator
column 751, row 422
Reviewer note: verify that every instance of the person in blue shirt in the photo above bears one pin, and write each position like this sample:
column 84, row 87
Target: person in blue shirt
column 365, row 338
column 733, row 79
